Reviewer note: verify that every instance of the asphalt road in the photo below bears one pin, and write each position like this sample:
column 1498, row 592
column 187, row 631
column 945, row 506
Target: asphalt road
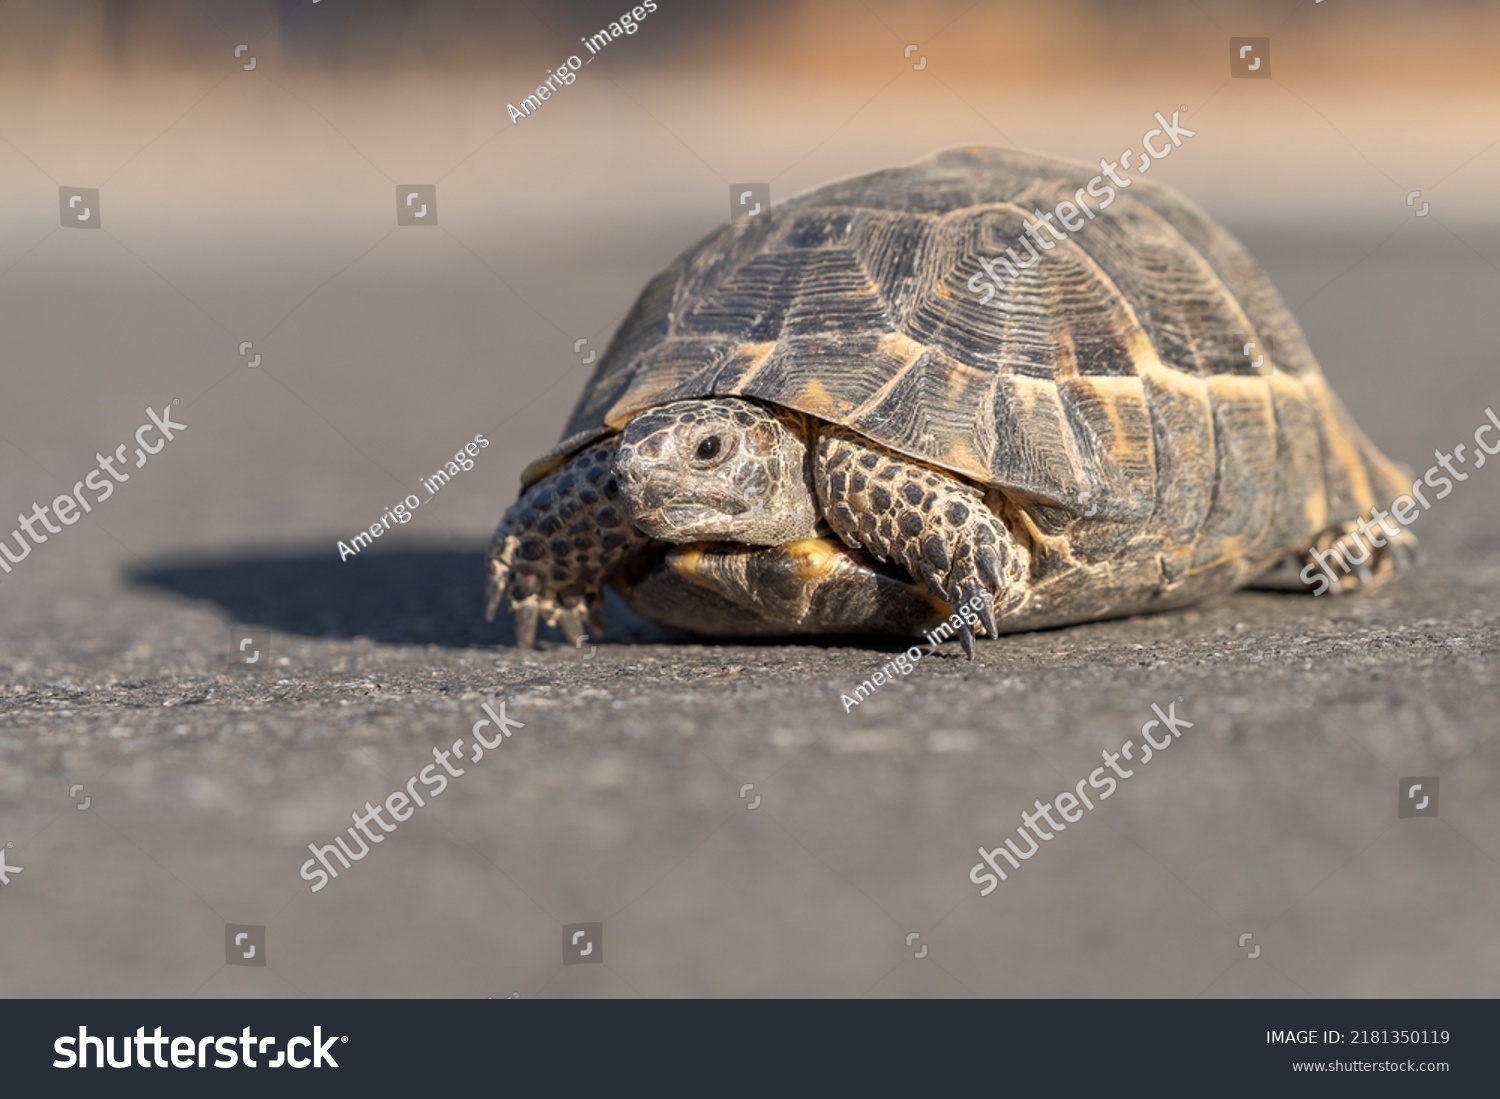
column 714, row 807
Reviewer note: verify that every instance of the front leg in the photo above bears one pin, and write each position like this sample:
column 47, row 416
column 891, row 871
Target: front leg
column 557, row 545
column 935, row 525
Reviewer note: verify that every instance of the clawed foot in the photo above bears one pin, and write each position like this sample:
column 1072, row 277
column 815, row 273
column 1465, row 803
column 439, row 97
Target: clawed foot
column 558, row 544
column 532, row 597
column 972, row 577
column 1334, row 553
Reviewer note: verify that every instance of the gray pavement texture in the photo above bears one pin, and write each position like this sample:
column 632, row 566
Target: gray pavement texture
column 623, row 799
column 619, row 801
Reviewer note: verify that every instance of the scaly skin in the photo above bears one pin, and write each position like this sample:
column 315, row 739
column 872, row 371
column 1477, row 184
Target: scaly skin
column 1380, row 564
column 931, row 523
column 558, row 544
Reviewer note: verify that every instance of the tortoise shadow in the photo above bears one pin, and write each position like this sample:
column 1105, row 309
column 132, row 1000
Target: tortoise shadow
column 432, row 596
column 417, row 597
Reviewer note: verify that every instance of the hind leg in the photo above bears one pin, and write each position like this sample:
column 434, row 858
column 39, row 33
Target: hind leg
column 558, row 544
column 1346, row 557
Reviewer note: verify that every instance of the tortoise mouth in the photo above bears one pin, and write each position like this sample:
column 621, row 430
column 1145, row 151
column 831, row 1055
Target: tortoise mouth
column 661, row 506
column 686, row 522
column 685, row 514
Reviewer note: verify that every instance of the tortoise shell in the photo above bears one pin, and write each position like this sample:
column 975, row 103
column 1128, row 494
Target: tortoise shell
column 1112, row 373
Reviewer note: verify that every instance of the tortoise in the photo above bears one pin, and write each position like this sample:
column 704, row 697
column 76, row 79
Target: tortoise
column 815, row 422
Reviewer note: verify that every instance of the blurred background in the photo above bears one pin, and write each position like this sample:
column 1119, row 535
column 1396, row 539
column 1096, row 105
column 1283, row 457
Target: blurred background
column 259, row 205
column 249, row 160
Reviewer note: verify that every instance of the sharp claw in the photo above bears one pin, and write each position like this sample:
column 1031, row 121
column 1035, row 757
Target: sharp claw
column 966, row 639
column 571, row 627
column 526, row 618
column 987, row 616
column 499, row 566
column 494, row 589
column 927, row 574
column 989, row 569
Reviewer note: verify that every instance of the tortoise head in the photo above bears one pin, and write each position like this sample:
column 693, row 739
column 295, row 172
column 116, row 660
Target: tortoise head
column 718, row 470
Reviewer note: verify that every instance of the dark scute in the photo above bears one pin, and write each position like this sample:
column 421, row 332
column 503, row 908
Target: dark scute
column 752, row 302
column 1050, row 520
column 816, row 231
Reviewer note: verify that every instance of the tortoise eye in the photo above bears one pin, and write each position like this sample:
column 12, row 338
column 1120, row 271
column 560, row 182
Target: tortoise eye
column 708, row 449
